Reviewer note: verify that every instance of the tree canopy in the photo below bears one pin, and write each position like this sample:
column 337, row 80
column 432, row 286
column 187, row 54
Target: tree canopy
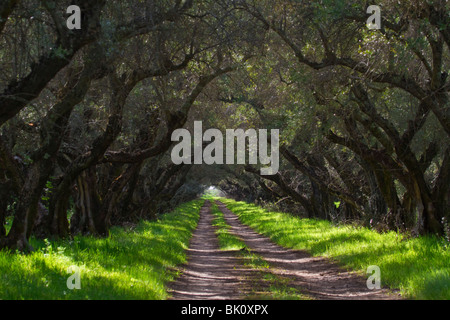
column 86, row 115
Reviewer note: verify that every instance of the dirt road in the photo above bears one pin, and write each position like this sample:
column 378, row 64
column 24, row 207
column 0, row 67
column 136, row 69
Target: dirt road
column 212, row 274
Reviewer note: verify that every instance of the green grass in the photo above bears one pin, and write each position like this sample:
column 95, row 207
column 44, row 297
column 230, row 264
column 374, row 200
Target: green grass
column 227, row 241
column 419, row 267
column 129, row 264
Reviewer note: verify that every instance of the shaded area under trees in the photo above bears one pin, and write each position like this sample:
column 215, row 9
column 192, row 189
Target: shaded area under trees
column 87, row 115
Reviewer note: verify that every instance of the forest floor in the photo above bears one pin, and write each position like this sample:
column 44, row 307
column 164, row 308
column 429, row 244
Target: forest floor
column 216, row 274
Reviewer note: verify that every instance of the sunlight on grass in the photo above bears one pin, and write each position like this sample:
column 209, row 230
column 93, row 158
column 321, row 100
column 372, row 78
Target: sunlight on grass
column 419, row 267
column 128, row 264
column 227, row 241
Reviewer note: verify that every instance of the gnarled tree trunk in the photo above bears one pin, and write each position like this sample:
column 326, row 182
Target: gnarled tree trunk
column 87, row 203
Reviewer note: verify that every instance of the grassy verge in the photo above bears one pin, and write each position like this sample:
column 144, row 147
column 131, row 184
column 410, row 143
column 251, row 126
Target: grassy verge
column 419, row 267
column 129, row 264
column 269, row 285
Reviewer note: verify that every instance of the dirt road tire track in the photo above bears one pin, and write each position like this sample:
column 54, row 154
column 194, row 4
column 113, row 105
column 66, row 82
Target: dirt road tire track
column 210, row 274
